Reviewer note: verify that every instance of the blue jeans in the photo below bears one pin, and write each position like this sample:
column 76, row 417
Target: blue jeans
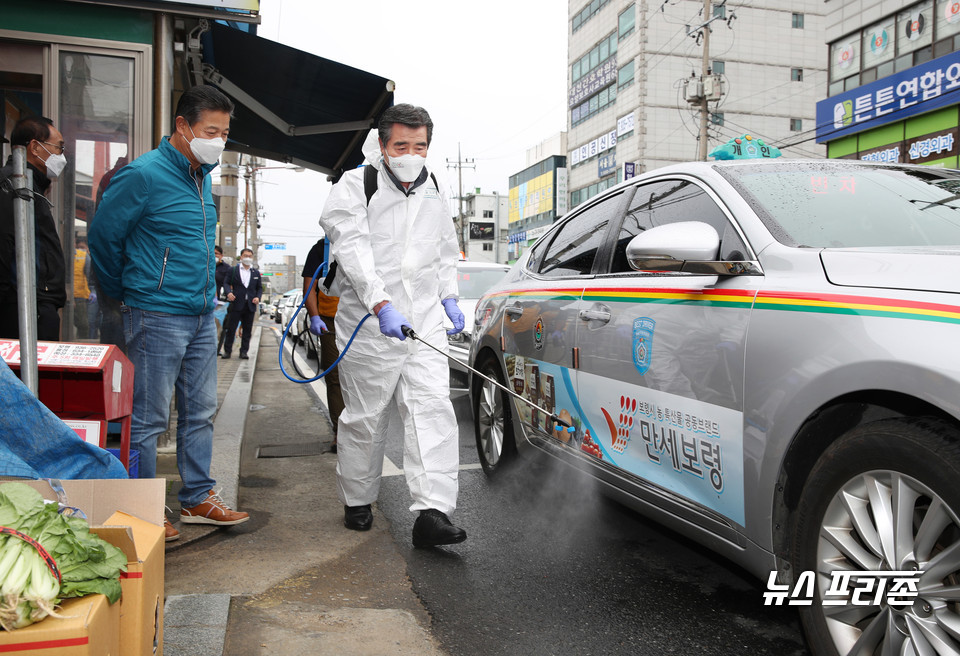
column 171, row 351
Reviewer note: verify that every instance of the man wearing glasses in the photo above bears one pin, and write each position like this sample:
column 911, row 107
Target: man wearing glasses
column 45, row 158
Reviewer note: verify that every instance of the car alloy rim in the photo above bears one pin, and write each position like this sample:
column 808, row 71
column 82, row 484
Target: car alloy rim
column 490, row 416
column 888, row 521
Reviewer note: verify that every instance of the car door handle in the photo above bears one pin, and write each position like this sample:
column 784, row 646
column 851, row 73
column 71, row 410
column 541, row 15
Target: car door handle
column 514, row 311
column 595, row 315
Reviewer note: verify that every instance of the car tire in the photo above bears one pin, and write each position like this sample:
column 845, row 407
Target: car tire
column 883, row 475
column 493, row 421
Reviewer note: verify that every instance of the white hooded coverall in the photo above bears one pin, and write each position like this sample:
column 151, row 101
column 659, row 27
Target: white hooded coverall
column 401, row 248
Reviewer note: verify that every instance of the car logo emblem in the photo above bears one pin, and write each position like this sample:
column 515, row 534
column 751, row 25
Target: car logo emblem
column 643, row 343
column 538, row 333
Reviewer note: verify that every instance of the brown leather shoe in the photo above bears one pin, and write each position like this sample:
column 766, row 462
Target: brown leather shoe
column 170, row 533
column 214, row 511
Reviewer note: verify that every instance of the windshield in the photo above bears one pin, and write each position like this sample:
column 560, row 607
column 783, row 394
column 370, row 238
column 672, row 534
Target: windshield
column 474, row 284
column 825, row 205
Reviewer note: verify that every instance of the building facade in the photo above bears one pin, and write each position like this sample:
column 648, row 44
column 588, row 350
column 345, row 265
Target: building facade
column 894, row 82
column 632, row 64
column 486, row 217
column 538, row 194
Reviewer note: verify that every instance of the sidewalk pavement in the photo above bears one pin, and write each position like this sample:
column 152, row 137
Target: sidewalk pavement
column 292, row 579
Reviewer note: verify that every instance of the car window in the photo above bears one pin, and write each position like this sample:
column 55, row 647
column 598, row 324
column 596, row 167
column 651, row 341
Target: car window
column 574, row 246
column 849, row 205
column 672, row 201
column 474, row 283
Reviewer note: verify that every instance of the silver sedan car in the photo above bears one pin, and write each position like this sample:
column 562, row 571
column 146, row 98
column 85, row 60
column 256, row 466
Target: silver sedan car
column 760, row 355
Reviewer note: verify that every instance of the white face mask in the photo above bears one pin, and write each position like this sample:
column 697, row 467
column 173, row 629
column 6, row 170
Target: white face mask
column 247, row 261
column 207, row 151
column 55, row 164
column 407, row 167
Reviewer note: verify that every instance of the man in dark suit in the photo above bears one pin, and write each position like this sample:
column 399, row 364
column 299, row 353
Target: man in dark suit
column 244, row 288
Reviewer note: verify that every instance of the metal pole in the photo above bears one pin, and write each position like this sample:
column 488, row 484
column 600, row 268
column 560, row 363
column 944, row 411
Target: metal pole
column 704, row 108
column 255, row 216
column 25, row 231
column 496, row 228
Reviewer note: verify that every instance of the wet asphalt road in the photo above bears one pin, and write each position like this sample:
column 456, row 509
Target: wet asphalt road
column 552, row 567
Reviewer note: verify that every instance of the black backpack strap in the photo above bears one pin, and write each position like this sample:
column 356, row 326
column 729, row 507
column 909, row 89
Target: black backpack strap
column 369, row 181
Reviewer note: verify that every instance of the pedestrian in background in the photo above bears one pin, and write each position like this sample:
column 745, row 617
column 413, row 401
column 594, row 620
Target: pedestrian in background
column 397, row 256
column 81, row 290
column 243, row 287
column 322, row 310
column 45, row 158
column 220, row 314
column 152, row 243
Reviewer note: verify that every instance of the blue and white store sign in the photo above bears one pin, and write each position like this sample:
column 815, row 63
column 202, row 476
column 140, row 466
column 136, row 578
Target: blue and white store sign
column 916, row 90
column 606, row 164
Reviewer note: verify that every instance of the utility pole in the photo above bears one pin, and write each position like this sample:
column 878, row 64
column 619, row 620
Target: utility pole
column 705, row 71
column 254, row 218
column 461, row 228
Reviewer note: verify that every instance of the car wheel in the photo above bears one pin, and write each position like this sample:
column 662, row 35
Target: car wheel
column 493, row 423
column 884, row 497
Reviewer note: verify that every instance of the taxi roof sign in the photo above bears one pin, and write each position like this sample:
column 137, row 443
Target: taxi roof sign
column 745, row 147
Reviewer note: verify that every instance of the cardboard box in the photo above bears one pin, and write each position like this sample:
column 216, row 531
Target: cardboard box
column 88, row 628
column 127, row 513
column 141, row 607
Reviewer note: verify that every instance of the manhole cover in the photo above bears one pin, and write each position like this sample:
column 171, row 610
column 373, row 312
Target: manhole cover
column 289, row 450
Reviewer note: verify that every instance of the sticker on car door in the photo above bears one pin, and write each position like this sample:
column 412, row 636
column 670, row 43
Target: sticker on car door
column 643, row 343
column 687, row 446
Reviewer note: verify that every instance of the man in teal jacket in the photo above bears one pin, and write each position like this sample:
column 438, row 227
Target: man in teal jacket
column 152, row 243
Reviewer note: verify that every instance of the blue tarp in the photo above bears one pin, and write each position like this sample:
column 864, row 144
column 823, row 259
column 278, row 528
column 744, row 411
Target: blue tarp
column 34, row 443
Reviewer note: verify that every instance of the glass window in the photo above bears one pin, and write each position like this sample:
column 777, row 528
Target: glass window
column 796, row 124
column 625, row 75
column 878, row 43
column 718, row 67
column 852, row 206
column 594, row 58
column 948, row 18
column 604, row 49
column 574, row 246
column 575, row 73
column 626, row 21
column 716, row 118
column 796, row 74
column 796, row 21
column 915, row 27
column 672, row 201
column 844, row 58
column 96, row 119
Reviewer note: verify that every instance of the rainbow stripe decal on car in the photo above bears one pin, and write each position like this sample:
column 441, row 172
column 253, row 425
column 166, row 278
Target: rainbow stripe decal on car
column 764, row 300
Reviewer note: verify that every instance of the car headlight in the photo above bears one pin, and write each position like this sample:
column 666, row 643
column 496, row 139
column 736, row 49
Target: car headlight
column 460, row 339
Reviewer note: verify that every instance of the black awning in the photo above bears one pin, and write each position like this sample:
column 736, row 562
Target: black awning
column 293, row 106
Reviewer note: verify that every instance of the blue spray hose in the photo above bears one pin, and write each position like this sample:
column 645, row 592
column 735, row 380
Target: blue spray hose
column 290, row 323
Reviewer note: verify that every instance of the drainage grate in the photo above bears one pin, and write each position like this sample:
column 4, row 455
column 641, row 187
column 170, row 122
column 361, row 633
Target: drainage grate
column 289, row 450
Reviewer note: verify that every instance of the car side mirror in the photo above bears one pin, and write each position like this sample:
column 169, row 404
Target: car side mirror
column 669, row 247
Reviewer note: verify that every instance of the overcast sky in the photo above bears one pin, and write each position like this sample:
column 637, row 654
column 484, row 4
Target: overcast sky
column 492, row 75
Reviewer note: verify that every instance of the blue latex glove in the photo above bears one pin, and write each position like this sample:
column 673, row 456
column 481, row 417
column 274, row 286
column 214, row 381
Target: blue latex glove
column 93, row 297
column 455, row 315
column 391, row 321
column 317, row 326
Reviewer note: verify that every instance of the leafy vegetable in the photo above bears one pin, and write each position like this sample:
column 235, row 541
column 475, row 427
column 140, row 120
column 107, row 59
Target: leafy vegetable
column 28, row 588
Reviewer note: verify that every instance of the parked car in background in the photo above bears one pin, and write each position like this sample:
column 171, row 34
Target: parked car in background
column 473, row 280
column 286, row 306
column 762, row 356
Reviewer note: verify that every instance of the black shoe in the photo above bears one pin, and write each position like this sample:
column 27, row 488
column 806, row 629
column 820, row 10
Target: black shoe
column 225, row 356
column 358, row 518
column 433, row 528
column 244, row 356
column 333, row 448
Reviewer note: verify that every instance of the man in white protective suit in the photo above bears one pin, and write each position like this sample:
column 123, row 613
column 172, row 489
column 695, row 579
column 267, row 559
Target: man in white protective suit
column 396, row 259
